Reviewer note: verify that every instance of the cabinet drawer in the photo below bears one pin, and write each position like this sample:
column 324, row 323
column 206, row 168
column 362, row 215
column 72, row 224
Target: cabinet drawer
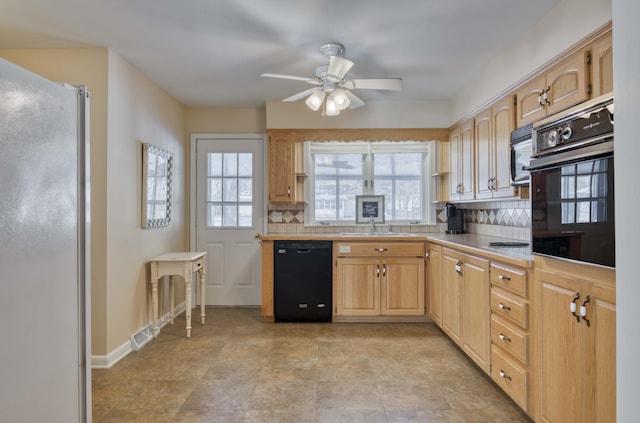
column 509, row 278
column 510, row 307
column 510, row 338
column 379, row 249
column 511, row 377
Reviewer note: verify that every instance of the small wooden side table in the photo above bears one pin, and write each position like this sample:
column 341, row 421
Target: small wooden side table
column 182, row 264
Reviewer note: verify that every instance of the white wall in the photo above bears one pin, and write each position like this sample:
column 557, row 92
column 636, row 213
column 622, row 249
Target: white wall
column 139, row 111
column 565, row 25
column 626, row 63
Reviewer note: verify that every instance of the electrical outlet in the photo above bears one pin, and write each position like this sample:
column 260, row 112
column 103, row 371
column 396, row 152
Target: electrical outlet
column 481, row 216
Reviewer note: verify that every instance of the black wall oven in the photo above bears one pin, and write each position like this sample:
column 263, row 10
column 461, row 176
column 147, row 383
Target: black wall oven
column 572, row 199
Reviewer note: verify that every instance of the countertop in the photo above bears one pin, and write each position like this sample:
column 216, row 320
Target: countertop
column 469, row 243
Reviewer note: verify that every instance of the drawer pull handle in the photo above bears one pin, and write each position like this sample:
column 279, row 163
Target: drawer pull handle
column 504, row 375
column 573, row 307
column 380, row 250
column 504, row 278
column 504, row 307
column 504, row 338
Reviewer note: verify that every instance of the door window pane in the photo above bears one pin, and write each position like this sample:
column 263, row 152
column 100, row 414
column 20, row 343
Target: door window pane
column 230, row 190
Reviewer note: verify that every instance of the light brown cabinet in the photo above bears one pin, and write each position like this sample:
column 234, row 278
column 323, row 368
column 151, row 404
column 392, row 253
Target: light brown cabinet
column 564, row 85
column 435, row 283
column 373, row 278
column 577, row 353
column 461, row 162
column 281, row 169
column 510, row 333
column 493, row 129
column 465, row 303
column 602, row 65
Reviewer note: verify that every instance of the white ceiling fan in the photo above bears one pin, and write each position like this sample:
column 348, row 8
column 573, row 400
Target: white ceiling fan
column 333, row 86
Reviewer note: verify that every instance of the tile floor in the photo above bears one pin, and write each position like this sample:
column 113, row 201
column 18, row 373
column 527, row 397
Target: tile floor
column 238, row 369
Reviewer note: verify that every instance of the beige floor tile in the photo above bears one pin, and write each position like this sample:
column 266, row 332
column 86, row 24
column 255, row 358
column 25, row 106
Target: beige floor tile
column 238, row 369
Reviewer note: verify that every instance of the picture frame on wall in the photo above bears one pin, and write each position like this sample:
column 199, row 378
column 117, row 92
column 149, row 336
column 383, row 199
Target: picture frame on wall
column 368, row 207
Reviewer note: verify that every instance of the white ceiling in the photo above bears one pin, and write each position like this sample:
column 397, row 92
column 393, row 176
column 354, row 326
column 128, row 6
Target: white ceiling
column 211, row 52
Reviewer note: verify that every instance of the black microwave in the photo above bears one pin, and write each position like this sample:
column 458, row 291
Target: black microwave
column 521, row 151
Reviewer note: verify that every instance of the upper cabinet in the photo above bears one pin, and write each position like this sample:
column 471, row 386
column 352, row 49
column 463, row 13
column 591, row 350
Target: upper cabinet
column 492, row 137
column 564, row 85
column 461, row 162
column 286, row 177
column 602, row 65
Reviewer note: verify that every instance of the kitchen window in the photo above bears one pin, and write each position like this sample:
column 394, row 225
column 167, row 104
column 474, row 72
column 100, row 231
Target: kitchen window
column 339, row 171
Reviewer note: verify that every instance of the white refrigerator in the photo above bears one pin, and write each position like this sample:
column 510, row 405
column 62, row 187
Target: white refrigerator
column 45, row 375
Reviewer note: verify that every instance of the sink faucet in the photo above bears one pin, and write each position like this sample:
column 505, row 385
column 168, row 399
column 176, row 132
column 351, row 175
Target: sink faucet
column 372, row 223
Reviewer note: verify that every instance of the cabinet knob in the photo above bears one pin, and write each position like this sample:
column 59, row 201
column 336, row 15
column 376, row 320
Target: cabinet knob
column 380, row 250
column 504, row 307
column 504, row 338
column 504, row 375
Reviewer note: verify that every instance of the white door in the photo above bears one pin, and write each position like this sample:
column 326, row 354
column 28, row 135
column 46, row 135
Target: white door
column 229, row 214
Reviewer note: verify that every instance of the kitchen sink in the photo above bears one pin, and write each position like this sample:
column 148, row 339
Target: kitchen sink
column 374, row 234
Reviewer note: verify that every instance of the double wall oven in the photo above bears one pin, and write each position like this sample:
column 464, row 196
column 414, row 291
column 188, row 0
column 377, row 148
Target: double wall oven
column 572, row 187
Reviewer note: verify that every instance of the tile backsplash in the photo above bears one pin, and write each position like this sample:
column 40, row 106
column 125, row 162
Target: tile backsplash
column 507, row 219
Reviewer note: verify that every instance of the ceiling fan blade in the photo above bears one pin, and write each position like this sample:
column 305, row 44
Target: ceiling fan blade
column 301, row 94
column 390, row 84
column 313, row 81
column 354, row 100
column 338, row 68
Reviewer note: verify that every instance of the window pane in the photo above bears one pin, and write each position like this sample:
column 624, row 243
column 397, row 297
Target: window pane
column 230, row 190
column 338, row 164
column 583, row 209
column 599, row 185
column 599, row 211
column 245, row 164
column 398, row 176
column 245, row 189
column 230, row 164
column 568, row 212
column 215, row 189
column 585, row 168
column 568, row 189
column 230, row 215
column 408, row 204
column 583, row 186
column 214, row 215
column 568, row 170
column 245, row 220
column 215, row 164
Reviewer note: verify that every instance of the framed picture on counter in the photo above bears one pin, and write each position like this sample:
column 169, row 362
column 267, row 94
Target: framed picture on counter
column 369, row 206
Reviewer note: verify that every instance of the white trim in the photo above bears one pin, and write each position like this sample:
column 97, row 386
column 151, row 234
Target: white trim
column 107, row 361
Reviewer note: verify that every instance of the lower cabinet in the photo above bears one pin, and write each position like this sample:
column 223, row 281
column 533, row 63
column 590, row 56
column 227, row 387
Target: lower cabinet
column 577, row 343
column 465, row 303
column 379, row 279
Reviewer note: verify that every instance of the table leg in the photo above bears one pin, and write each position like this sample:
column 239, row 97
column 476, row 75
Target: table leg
column 187, row 287
column 172, row 297
column 154, row 297
column 202, row 279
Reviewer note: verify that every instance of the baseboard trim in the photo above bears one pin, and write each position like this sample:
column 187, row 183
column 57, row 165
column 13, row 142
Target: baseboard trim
column 107, row 361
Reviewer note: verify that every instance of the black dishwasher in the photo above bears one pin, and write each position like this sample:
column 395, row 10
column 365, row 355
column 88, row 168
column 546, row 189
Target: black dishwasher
column 302, row 281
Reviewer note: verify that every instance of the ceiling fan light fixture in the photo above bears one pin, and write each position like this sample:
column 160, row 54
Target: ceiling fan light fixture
column 330, row 107
column 340, row 98
column 314, row 101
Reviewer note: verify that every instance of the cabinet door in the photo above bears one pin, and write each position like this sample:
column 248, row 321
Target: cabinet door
column 281, row 169
column 358, row 290
column 602, row 66
column 454, row 163
column 484, row 160
column 528, row 106
column 435, row 286
column 403, row 287
column 600, row 351
column 568, row 83
column 451, row 285
column 476, row 315
column 561, row 367
column 467, row 162
column 503, row 122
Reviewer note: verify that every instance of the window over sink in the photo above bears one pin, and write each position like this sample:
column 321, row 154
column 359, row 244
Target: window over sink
column 340, row 171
